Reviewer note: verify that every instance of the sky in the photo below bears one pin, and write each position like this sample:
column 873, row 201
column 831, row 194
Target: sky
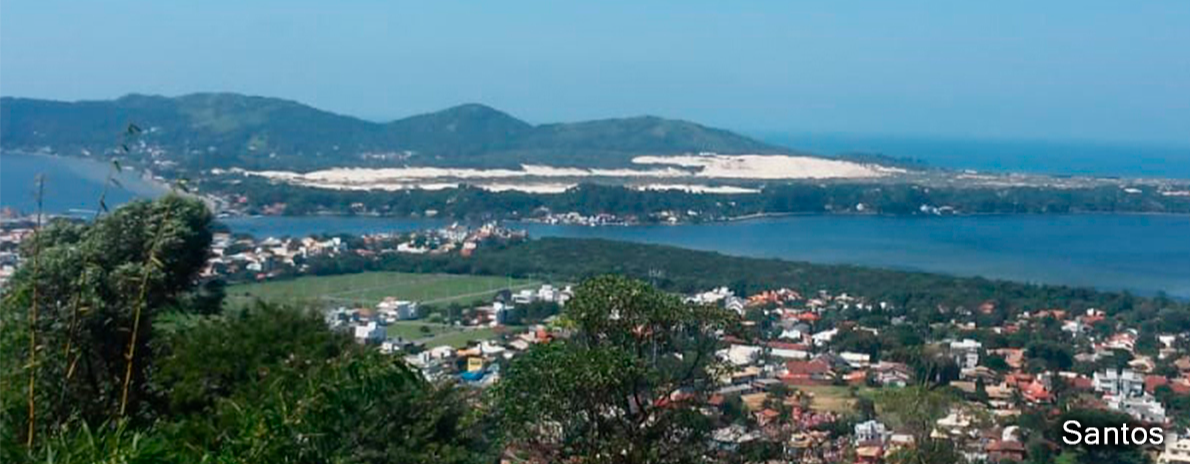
column 1055, row 70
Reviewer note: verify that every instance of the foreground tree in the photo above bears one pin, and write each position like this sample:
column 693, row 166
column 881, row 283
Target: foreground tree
column 916, row 409
column 627, row 386
column 90, row 305
column 273, row 384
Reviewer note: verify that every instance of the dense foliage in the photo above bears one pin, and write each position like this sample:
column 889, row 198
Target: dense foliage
column 107, row 359
column 652, row 206
column 78, row 321
column 628, row 386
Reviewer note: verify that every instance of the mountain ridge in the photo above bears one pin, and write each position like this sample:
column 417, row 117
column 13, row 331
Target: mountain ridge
column 223, row 129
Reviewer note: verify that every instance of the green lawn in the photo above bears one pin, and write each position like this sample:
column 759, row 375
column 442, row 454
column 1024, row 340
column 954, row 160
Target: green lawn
column 440, row 334
column 367, row 289
column 835, row 398
column 411, row 330
column 372, row 287
column 460, row 338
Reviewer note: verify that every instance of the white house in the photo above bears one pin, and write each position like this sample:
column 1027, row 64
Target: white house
column 369, row 333
column 547, row 293
column 711, row 296
column 740, row 354
column 1146, row 408
column 393, row 309
column 1124, row 383
column 734, row 304
column 824, row 337
column 855, row 359
column 966, row 352
column 524, row 296
column 870, row 432
column 1177, row 450
column 789, row 351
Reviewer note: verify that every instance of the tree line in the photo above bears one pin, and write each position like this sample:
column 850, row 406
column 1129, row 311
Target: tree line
column 469, row 202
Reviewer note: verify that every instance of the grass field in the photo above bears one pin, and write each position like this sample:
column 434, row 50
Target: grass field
column 412, row 330
column 835, row 398
column 460, row 338
column 370, row 288
column 437, row 334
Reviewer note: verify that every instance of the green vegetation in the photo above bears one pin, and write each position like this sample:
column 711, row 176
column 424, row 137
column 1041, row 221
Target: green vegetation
column 651, row 206
column 838, row 399
column 460, row 338
column 139, row 373
column 79, row 327
column 626, row 387
column 437, row 334
column 114, row 353
column 417, row 329
column 210, row 130
column 916, row 410
column 368, row 289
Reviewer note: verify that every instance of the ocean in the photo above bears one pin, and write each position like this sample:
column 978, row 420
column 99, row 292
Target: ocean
column 1002, row 156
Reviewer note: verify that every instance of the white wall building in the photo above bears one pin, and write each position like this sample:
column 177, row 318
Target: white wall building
column 392, row 309
column 369, row 333
column 1145, row 409
column 966, row 352
column 1177, row 450
column 739, row 354
column 1124, row 383
column 871, row 431
column 856, row 359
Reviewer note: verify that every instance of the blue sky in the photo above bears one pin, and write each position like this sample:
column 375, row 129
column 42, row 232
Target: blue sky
column 1090, row 70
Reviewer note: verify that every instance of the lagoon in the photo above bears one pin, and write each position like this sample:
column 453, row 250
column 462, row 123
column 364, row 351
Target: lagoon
column 1145, row 254
column 1142, row 253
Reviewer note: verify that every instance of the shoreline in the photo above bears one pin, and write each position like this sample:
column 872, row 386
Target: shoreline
column 733, row 219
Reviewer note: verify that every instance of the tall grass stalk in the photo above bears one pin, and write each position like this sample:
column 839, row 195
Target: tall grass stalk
column 36, row 263
column 76, row 302
column 151, row 261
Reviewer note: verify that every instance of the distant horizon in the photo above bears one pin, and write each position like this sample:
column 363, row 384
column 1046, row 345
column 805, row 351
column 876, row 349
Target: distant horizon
column 1061, row 70
column 771, row 136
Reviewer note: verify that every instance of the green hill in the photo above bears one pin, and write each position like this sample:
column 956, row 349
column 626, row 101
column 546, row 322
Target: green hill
column 210, row 130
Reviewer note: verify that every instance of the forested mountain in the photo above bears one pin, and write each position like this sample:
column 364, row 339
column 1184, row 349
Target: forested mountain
column 211, row 130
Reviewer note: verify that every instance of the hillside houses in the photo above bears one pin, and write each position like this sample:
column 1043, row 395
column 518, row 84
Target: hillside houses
column 244, row 258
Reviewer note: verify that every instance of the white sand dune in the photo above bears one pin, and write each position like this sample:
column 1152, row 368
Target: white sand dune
column 767, row 166
column 527, row 178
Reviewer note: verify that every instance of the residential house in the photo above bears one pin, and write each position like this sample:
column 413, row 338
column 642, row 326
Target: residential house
column 814, row 372
column 740, row 354
column 789, row 350
column 1124, row 383
column 369, row 333
column 892, row 374
column 392, row 309
column 966, row 352
column 1177, row 450
column 1145, row 408
column 871, row 432
column 856, row 360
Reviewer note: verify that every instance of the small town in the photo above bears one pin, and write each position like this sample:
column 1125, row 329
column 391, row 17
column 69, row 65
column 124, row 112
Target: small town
column 805, row 375
column 798, row 380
